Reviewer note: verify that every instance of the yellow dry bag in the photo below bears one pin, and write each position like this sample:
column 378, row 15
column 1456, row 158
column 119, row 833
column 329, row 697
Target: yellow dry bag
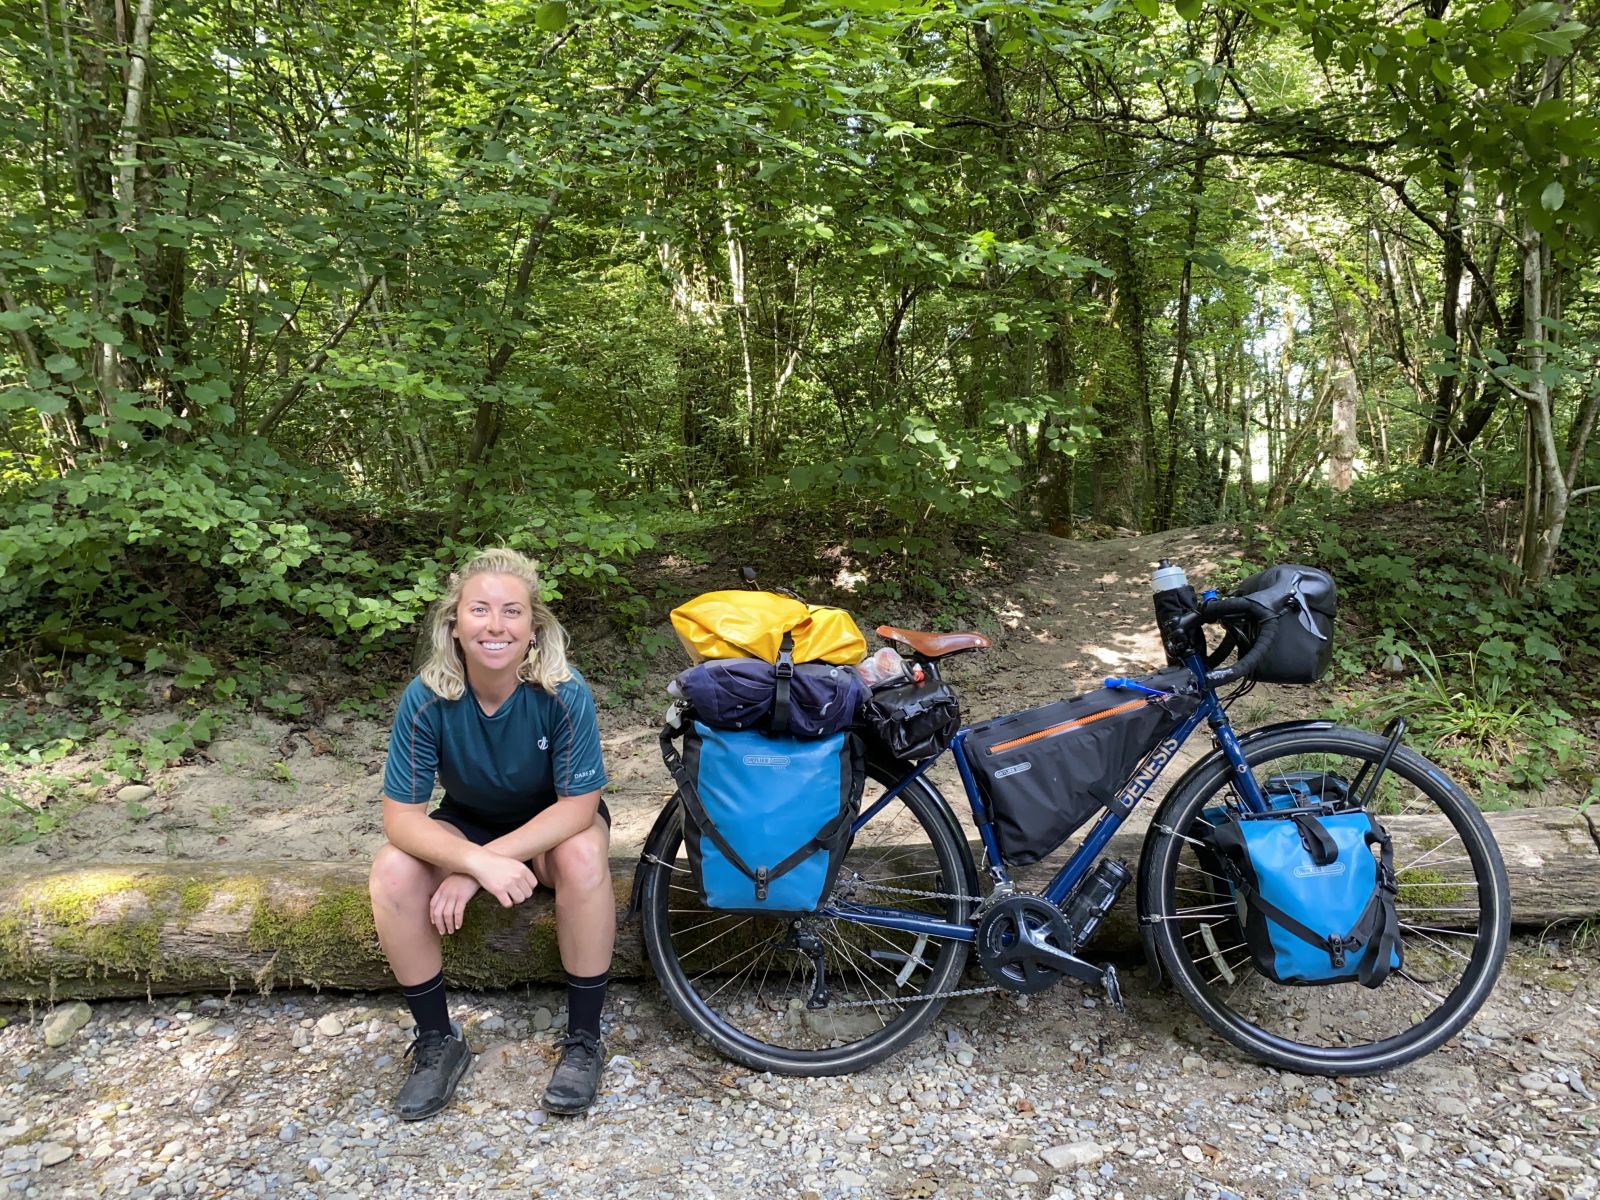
column 746, row 624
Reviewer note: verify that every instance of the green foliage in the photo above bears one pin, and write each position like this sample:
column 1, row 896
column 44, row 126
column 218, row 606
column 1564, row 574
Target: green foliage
column 1492, row 671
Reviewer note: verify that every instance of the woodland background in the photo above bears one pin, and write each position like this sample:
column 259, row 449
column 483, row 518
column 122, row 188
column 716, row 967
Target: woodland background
column 302, row 299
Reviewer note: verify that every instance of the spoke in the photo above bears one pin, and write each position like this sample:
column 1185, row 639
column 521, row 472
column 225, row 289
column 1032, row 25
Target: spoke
column 714, row 940
column 1460, row 933
column 1433, row 941
column 753, row 949
column 1409, row 978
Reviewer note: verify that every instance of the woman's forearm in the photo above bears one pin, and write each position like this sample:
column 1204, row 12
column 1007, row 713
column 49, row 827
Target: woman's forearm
column 566, row 818
column 409, row 827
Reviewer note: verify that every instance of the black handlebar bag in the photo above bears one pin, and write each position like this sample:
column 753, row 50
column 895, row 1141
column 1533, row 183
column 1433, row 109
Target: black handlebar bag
column 1305, row 600
column 1045, row 771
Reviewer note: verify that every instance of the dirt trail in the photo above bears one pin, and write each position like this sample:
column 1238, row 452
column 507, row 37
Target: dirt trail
column 1071, row 613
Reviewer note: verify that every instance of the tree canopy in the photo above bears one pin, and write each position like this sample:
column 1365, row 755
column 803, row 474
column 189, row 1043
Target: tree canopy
column 559, row 274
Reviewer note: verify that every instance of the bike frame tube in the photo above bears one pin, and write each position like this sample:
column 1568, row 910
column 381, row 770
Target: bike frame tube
column 1077, row 866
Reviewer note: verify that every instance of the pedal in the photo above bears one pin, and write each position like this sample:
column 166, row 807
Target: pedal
column 1108, row 980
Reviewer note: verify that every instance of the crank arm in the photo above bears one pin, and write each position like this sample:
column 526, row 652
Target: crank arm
column 1084, row 972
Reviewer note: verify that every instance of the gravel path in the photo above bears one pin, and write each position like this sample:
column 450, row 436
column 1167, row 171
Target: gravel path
column 1052, row 1096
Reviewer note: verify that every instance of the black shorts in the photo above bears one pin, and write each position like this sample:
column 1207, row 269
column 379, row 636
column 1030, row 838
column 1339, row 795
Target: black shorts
column 478, row 834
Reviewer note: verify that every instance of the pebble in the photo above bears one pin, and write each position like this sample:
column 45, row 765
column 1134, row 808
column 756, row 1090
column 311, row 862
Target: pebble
column 135, row 793
column 291, row 1097
column 1073, row 1155
column 64, row 1021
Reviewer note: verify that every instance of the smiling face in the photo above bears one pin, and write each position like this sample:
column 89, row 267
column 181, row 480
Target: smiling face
column 494, row 625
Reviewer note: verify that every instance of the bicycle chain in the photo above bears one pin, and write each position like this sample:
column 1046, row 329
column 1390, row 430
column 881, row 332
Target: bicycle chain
column 950, row 995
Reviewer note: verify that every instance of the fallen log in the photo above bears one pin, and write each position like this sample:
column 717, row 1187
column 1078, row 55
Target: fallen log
column 133, row 930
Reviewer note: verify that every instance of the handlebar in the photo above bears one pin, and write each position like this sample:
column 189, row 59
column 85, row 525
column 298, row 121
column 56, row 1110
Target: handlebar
column 1213, row 612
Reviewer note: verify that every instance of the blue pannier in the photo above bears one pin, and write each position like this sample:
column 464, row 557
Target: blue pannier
column 766, row 818
column 1316, row 904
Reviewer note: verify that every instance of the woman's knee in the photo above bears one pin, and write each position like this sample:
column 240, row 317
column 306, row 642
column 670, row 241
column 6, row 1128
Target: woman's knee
column 582, row 863
column 397, row 877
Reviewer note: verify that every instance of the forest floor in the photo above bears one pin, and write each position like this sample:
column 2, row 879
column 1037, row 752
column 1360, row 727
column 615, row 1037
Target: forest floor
column 1067, row 614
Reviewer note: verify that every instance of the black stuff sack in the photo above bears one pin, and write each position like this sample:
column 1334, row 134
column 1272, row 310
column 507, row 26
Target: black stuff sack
column 912, row 721
column 744, row 693
column 1045, row 771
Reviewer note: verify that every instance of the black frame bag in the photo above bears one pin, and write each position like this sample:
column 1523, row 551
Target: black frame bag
column 1045, row 771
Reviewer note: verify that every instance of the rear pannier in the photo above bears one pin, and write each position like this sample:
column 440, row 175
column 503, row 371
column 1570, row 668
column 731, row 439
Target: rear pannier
column 766, row 820
column 1046, row 771
column 1305, row 599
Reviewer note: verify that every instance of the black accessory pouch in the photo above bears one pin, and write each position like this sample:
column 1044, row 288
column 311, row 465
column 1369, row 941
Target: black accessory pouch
column 912, row 721
column 1047, row 770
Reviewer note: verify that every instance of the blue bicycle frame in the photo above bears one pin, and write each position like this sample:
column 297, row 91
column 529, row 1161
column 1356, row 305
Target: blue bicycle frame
column 1082, row 859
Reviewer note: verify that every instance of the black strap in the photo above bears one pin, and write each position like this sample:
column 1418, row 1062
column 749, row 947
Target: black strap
column 780, row 698
column 1380, row 954
column 1318, row 841
column 691, row 801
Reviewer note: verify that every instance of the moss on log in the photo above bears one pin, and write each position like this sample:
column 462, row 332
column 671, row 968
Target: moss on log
column 171, row 927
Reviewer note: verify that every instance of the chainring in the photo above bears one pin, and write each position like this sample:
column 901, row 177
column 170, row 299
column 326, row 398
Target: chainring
column 1008, row 935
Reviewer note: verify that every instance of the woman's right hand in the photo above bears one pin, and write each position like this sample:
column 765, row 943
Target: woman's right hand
column 506, row 879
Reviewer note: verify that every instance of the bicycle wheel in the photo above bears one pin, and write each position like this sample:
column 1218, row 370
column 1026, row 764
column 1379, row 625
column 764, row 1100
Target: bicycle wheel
column 1452, row 903
column 743, row 982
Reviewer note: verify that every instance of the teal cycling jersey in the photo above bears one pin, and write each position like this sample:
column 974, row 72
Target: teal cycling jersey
column 504, row 768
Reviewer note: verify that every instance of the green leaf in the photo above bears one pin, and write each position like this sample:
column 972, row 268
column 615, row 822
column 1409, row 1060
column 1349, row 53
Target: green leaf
column 13, row 321
column 1553, row 196
column 1494, row 15
column 1148, row 9
column 60, row 364
column 1187, row 9
column 552, row 18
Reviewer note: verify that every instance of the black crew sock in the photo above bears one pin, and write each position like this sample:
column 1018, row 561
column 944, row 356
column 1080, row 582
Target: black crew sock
column 586, row 996
column 428, row 1006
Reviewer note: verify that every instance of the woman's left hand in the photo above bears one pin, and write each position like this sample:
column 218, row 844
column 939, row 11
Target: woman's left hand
column 449, row 902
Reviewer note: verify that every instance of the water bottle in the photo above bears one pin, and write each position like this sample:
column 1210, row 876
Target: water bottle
column 1087, row 906
column 1174, row 599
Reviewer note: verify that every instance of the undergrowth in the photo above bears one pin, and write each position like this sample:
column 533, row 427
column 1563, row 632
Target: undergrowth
column 1496, row 678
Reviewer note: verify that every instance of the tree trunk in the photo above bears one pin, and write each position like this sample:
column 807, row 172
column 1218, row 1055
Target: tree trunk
column 181, row 927
column 1346, row 397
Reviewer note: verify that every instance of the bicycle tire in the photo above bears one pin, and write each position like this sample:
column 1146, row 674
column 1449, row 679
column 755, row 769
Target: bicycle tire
column 1453, row 903
column 915, row 843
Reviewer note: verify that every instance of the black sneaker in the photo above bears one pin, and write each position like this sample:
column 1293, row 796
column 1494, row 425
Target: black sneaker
column 577, row 1075
column 437, row 1065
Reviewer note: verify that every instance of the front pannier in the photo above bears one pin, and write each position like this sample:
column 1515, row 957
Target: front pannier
column 766, row 819
column 1305, row 599
column 1046, row 771
column 1316, row 904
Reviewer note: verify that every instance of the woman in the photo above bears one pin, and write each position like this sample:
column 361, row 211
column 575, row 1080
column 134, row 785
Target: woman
column 509, row 729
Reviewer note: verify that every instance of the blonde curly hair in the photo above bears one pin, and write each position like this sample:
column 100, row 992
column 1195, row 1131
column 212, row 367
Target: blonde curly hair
column 444, row 670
